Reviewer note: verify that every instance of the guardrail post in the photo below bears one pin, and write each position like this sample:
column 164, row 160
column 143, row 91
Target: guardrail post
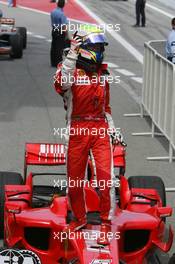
column 152, row 130
column 170, row 153
column 158, row 96
column 141, row 110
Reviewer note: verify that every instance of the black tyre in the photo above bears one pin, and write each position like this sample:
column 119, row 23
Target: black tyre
column 149, row 182
column 6, row 178
column 17, row 46
column 23, row 32
column 158, row 257
column 172, row 259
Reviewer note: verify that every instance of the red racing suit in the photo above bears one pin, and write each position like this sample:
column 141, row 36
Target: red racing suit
column 86, row 97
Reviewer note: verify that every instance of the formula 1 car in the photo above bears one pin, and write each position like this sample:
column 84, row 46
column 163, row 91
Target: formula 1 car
column 34, row 216
column 12, row 39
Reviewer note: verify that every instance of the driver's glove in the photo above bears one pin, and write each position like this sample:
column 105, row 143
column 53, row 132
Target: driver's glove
column 117, row 138
column 76, row 42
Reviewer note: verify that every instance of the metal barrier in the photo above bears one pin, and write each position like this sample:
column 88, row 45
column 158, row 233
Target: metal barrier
column 158, row 94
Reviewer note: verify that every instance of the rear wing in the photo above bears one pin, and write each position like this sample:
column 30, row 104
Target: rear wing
column 44, row 154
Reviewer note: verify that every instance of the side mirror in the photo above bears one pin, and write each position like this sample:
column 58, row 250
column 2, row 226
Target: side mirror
column 164, row 211
column 12, row 208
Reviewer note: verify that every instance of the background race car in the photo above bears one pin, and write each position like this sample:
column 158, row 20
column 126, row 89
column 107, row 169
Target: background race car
column 12, row 39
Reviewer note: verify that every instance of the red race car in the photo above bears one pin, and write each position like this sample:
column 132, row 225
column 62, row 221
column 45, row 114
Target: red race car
column 34, row 216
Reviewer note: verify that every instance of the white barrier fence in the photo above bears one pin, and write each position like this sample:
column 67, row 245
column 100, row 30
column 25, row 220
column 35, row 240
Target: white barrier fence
column 158, row 95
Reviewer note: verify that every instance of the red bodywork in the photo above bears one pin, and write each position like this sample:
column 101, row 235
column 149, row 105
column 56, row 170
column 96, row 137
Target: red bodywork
column 137, row 227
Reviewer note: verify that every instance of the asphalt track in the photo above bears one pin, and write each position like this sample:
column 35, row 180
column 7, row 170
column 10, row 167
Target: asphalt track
column 30, row 108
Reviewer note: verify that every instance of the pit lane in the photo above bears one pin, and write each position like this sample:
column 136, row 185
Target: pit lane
column 30, row 109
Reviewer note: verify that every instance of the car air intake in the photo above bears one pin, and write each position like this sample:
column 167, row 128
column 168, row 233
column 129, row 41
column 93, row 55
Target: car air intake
column 37, row 237
column 135, row 239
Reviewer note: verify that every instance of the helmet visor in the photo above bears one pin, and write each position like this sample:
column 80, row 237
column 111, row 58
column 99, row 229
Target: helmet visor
column 95, row 38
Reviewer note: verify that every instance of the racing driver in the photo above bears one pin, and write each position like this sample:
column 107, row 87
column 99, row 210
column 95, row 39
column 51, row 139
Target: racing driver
column 86, row 95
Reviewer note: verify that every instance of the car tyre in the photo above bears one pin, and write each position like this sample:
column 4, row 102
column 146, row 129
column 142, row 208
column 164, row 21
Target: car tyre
column 16, row 43
column 6, row 178
column 158, row 257
column 172, row 259
column 23, row 32
column 149, row 182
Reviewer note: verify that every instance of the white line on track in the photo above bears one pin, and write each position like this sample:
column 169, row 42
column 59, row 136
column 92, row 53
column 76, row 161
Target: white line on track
column 125, row 72
column 111, row 65
column 39, row 36
column 157, row 9
column 160, row 11
column 29, row 33
column 137, row 79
